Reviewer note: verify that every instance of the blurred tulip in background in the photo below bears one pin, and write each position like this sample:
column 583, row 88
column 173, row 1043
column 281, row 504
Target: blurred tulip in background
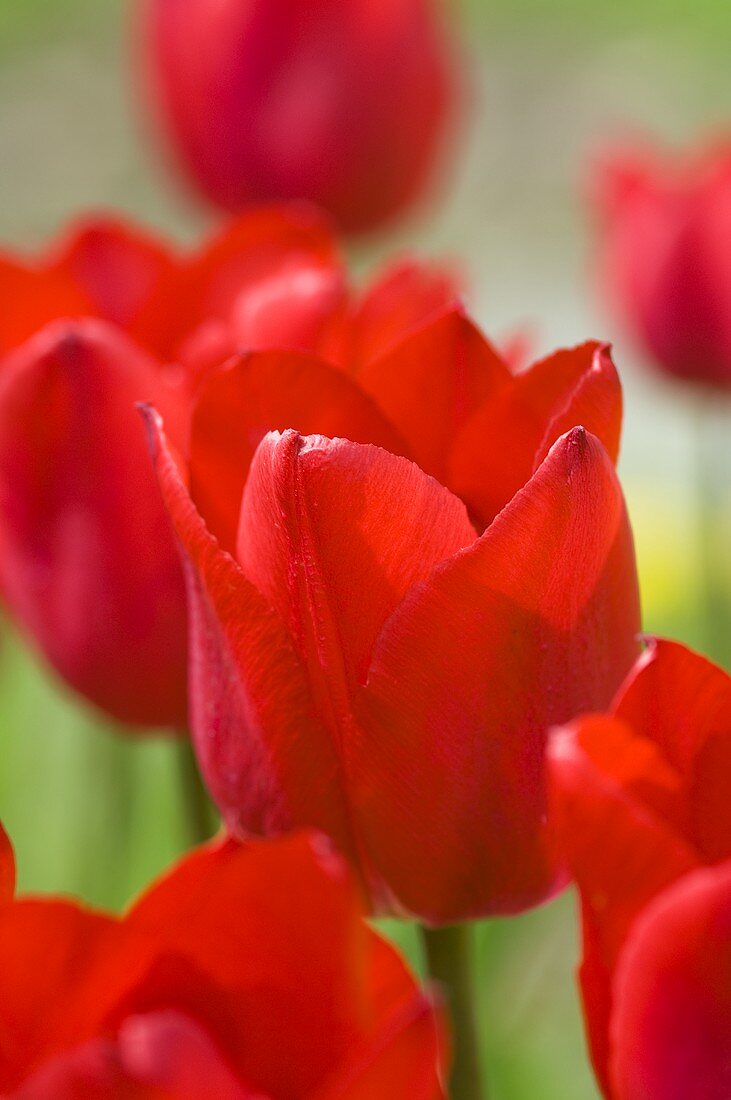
column 665, row 242
column 342, row 102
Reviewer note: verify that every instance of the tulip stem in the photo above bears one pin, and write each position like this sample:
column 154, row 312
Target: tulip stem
column 196, row 805
column 451, row 963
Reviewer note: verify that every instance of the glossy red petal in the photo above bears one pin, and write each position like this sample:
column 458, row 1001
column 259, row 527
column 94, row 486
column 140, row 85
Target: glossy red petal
column 117, row 265
column 333, row 534
column 534, row 623
column 432, row 382
column 615, row 805
column 253, row 250
column 506, row 439
column 670, row 681
column 296, row 307
column 266, row 755
column 682, row 703
column 239, row 404
column 620, row 814
column 710, row 796
column 405, row 297
column 88, row 563
column 594, row 398
column 670, row 1033
column 226, row 891
column 313, row 951
column 402, row 1059
column 7, row 867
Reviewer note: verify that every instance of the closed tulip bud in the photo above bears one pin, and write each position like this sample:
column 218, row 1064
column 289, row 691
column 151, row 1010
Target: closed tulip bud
column 665, row 227
column 640, row 797
column 341, row 102
column 381, row 635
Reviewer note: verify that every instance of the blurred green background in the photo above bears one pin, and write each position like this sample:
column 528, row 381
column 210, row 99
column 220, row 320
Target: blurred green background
column 97, row 815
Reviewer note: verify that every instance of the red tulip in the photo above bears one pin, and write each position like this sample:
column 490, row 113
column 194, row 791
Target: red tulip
column 341, row 102
column 363, row 660
column 88, row 563
column 641, row 800
column 245, row 973
column 665, row 231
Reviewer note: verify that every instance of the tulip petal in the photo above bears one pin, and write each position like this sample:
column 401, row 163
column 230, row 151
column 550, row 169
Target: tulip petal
column 220, row 892
column 240, row 403
column 53, row 956
column 671, row 681
column 594, row 398
column 670, row 1029
column 249, row 252
column 33, row 298
column 117, row 265
column 265, row 754
column 168, row 1051
column 623, row 811
column 533, row 624
column 223, row 894
column 236, row 947
column 405, row 297
column 509, row 436
column 401, row 1060
column 296, row 308
column 614, row 802
column 88, row 563
column 355, row 528
column 432, row 383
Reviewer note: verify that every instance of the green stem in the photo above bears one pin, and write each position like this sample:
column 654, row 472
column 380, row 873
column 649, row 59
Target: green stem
column 450, row 959
column 196, row 805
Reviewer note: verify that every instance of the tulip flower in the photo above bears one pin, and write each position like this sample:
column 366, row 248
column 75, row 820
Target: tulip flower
column 640, row 797
column 246, row 972
column 340, row 102
column 88, row 564
column 665, row 226
column 111, row 316
column 376, row 656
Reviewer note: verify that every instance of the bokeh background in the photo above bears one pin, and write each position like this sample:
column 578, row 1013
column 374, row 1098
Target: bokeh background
column 547, row 82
